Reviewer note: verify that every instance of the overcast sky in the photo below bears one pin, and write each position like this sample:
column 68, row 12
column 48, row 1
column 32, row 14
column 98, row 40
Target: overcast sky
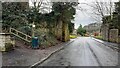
column 83, row 17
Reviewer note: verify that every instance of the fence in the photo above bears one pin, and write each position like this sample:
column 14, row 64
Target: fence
column 21, row 35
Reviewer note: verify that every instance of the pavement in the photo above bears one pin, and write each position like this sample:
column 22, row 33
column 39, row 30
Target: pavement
column 84, row 51
column 22, row 56
column 114, row 46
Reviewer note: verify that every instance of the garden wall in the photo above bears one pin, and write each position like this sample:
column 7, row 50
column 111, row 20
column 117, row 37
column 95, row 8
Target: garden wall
column 105, row 31
column 60, row 33
column 119, row 39
column 113, row 35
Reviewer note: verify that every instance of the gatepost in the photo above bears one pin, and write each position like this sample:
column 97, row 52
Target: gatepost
column 113, row 35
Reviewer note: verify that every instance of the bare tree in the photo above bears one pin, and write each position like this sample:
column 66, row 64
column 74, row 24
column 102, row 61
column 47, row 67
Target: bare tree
column 102, row 9
column 43, row 6
column 99, row 9
column 39, row 6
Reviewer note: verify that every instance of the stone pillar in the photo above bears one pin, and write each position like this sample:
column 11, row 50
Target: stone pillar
column 59, row 31
column 0, row 27
column 119, row 39
column 65, row 32
column 4, row 38
column 2, row 42
column 113, row 36
column 105, row 32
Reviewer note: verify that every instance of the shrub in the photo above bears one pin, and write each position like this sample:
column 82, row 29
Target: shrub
column 73, row 36
column 8, row 46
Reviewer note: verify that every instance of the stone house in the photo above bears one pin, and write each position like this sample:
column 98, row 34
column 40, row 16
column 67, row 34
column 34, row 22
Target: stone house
column 93, row 28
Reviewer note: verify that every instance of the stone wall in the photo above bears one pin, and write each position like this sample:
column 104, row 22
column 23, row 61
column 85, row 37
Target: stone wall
column 105, row 31
column 62, row 31
column 67, row 36
column 1, row 42
column 113, row 35
column 119, row 39
column 58, row 31
column 0, row 27
column 4, row 38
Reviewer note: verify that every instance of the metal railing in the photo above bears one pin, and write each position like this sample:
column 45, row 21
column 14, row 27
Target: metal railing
column 21, row 35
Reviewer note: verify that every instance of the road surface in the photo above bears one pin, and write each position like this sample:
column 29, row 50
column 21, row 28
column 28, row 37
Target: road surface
column 84, row 51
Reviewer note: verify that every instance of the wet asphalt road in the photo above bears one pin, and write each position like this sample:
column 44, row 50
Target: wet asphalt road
column 84, row 51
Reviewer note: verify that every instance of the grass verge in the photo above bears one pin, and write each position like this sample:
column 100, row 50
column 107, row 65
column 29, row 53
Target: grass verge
column 73, row 36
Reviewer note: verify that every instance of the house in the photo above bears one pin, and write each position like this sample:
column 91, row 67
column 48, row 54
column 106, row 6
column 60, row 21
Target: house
column 93, row 28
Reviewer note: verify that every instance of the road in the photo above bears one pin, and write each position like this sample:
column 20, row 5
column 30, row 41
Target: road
column 84, row 51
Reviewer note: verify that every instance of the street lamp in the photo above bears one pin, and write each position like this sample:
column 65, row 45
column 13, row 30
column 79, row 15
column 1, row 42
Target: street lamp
column 34, row 39
column 33, row 26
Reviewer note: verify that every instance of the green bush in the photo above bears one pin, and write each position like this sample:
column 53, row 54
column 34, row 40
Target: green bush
column 73, row 36
column 8, row 46
column 99, row 37
column 47, row 41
